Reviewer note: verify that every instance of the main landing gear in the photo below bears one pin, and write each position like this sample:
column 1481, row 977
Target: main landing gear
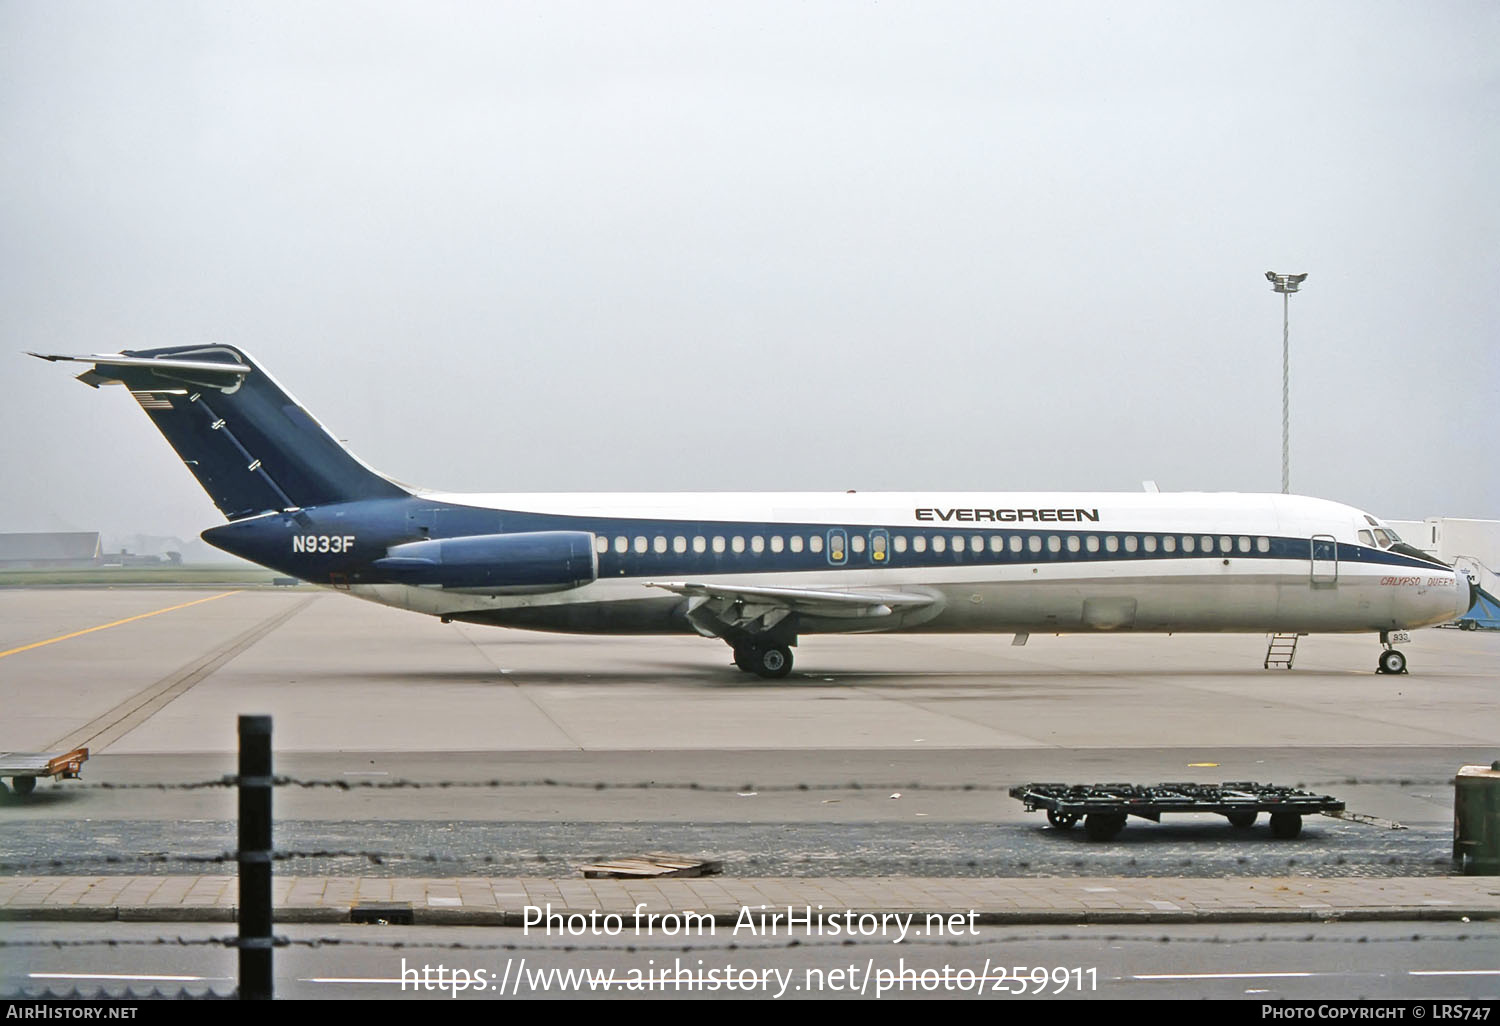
column 1391, row 661
column 764, row 659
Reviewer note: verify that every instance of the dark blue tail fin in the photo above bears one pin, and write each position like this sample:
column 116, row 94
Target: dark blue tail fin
column 249, row 444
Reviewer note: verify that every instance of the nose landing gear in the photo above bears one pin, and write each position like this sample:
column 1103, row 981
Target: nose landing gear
column 1392, row 661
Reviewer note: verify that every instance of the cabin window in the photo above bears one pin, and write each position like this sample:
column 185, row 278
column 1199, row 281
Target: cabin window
column 919, row 543
column 837, row 546
column 879, row 543
column 640, row 543
column 997, row 543
column 1092, row 543
column 1188, row 544
column 1015, row 543
column 1206, row 545
column 737, row 544
column 1034, row 543
column 958, row 543
column 796, row 543
column 601, row 545
column 815, row 543
column 718, row 543
column 1148, row 543
column 1262, row 545
column 1168, row 543
column 1226, row 544
column 1073, row 543
column 899, row 542
column 757, row 544
column 1243, row 544
column 659, row 544
column 1111, row 543
column 700, row 543
column 622, row 544
column 1130, row 543
column 857, row 543
column 977, row 543
column 1054, row 543
column 939, row 543
column 776, row 543
column 679, row 544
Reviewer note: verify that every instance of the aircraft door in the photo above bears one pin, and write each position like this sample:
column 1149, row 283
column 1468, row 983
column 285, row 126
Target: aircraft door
column 1324, row 567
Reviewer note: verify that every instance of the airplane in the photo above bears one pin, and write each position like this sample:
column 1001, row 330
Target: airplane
column 758, row 571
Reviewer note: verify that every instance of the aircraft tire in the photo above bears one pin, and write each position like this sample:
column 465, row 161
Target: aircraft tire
column 1062, row 820
column 1241, row 820
column 23, row 785
column 772, row 662
column 1392, row 661
column 744, row 657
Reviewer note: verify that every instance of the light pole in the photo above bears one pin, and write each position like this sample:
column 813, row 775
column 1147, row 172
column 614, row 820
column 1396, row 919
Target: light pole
column 1286, row 284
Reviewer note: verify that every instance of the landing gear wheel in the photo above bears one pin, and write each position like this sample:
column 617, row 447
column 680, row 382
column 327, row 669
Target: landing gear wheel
column 1286, row 825
column 1062, row 820
column 1102, row 827
column 23, row 785
column 1241, row 820
column 1391, row 661
column 772, row 662
column 744, row 657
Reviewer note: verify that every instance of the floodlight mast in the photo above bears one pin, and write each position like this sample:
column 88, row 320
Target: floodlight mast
column 1286, row 284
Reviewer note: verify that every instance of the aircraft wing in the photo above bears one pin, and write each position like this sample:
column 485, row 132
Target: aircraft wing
column 758, row 609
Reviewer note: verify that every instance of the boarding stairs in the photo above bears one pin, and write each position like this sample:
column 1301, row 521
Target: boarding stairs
column 1485, row 613
column 1281, row 651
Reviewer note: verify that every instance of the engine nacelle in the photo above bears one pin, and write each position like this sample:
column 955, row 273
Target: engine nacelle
column 527, row 563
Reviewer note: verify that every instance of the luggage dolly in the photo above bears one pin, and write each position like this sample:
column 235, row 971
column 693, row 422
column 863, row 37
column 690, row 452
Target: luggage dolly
column 1103, row 807
column 23, row 768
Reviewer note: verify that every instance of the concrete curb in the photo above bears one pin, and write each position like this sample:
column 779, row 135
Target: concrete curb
column 513, row 920
column 724, row 901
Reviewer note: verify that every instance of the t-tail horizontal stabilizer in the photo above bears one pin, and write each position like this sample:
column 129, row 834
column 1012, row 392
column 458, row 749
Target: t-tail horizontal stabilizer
column 249, row 443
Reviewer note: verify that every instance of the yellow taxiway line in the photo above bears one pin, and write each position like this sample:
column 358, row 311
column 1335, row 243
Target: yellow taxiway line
column 106, row 626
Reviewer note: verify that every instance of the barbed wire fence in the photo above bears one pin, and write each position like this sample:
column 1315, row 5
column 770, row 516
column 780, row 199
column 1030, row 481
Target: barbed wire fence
column 255, row 857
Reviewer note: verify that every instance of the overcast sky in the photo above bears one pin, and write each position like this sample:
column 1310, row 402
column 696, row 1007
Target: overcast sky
column 763, row 246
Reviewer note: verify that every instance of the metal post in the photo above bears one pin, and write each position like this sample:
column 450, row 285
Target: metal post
column 1286, row 284
column 1286, row 394
column 255, row 858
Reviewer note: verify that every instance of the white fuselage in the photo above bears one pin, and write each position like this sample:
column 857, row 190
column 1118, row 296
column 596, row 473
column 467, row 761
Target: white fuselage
column 992, row 562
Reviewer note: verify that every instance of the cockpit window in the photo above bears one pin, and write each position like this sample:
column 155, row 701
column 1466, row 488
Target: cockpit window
column 1367, row 537
column 1383, row 538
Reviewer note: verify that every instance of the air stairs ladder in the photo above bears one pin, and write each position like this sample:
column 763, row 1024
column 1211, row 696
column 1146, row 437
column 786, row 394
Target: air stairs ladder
column 1281, row 651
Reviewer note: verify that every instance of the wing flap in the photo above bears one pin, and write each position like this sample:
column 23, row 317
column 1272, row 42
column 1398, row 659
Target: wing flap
column 841, row 604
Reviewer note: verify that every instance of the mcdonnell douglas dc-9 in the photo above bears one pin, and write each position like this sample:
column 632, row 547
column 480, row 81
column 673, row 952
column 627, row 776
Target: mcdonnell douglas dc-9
column 760, row 570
